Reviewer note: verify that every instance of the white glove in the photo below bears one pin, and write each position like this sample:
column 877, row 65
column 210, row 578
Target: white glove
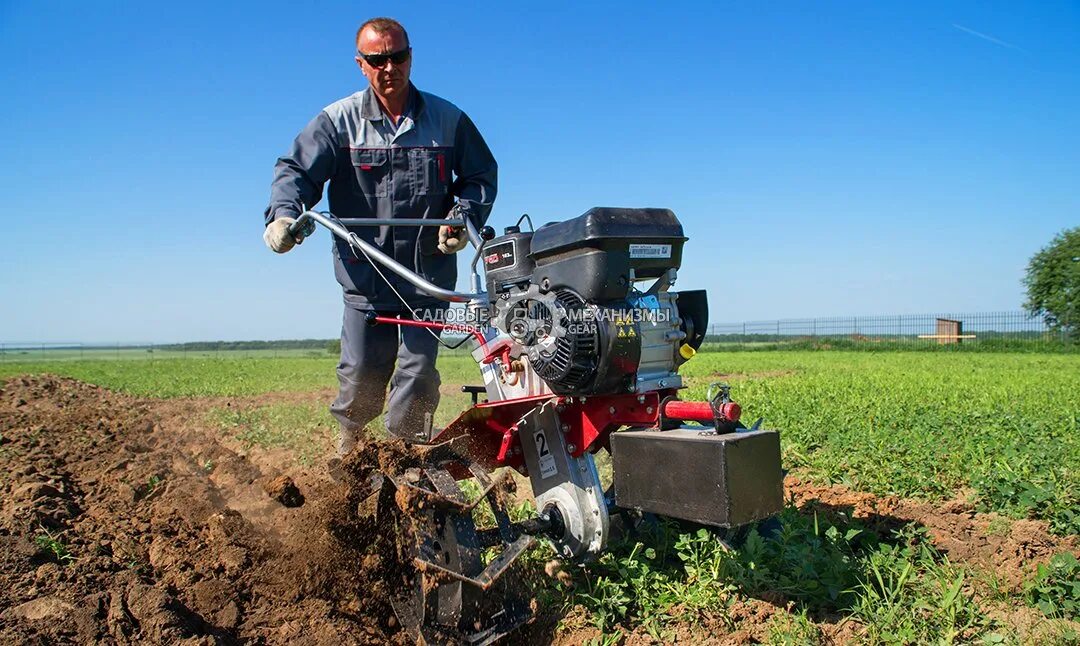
column 278, row 238
column 452, row 239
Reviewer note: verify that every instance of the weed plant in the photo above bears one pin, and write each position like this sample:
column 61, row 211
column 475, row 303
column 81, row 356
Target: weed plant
column 1055, row 589
column 899, row 587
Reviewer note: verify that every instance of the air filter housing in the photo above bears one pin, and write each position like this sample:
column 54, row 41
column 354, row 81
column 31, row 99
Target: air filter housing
column 596, row 253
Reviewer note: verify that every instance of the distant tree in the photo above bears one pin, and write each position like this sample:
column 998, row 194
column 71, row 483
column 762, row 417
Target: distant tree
column 1053, row 283
column 334, row 347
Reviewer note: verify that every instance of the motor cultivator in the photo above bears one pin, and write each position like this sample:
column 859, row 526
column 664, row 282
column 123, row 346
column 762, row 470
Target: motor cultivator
column 579, row 343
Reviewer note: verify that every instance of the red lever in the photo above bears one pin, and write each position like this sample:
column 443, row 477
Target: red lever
column 731, row 411
column 700, row 411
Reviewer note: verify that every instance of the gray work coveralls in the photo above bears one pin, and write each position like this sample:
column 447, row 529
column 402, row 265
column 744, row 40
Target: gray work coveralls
column 376, row 170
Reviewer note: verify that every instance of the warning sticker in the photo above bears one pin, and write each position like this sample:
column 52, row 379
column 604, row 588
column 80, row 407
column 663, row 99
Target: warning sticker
column 650, row 251
column 547, row 460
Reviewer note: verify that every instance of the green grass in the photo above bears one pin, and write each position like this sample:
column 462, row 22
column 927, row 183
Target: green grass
column 180, row 377
column 923, row 425
column 1055, row 588
column 45, row 353
column 207, row 377
column 897, row 587
column 305, row 429
column 788, row 629
column 986, row 342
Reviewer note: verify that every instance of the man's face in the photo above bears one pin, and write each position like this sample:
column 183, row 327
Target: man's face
column 392, row 79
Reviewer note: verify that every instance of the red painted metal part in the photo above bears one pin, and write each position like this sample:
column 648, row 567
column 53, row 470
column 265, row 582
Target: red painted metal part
column 688, row 411
column 700, row 411
column 433, row 325
column 489, row 430
column 588, row 421
column 494, row 351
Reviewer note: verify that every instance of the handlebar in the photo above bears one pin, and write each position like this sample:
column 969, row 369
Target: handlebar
column 305, row 226
column 402, row 222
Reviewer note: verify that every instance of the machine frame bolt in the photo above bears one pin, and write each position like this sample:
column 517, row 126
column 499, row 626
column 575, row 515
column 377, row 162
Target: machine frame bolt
column 571, row 448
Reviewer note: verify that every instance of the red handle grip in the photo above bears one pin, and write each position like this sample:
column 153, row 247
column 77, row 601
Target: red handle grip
column 700, row 411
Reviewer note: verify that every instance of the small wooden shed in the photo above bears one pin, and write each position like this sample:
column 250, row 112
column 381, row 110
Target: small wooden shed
column 949, row 331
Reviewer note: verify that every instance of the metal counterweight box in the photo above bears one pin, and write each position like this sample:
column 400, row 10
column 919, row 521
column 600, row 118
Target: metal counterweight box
column 692, row 474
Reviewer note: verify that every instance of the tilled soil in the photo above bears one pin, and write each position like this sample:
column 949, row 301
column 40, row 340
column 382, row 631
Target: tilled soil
column 135, row 521
column 1011, row 549
column 160, row 533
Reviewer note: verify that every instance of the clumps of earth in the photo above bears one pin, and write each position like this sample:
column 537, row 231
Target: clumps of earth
column 284, row 490
column 126, row 521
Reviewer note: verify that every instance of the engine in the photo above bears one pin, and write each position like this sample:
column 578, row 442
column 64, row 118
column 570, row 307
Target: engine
column 588, row 301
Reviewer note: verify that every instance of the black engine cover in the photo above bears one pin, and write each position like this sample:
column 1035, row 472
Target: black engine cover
column 594, row 253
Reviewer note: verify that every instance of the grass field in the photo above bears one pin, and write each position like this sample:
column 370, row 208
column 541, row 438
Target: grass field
column 147, row 353
column 925, row 425
column 999, row 429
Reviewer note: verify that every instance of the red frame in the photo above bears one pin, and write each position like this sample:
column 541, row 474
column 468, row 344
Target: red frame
column 588, row 421
column 497, row 350
column 490, row 429
column 433, row 325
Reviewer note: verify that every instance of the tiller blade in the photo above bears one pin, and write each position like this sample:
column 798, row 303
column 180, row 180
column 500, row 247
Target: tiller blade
column 449, row 595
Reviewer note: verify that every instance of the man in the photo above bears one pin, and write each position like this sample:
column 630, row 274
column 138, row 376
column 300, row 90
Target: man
column 389, row 151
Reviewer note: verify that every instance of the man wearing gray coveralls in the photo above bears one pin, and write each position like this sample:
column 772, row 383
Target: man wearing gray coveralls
column 389, row 151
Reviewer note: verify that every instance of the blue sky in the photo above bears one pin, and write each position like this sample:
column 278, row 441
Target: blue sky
column 826, row 158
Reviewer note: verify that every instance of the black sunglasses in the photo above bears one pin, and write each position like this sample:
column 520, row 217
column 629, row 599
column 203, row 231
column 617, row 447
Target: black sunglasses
column 379, row 60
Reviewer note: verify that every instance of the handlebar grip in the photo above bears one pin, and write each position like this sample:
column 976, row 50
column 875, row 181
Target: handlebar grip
column 304, row 226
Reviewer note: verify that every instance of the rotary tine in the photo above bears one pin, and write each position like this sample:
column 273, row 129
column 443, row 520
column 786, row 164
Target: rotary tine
column 449, row 494
column 455, row 598
column 492, row 572
column 446, row 494
column 502, row 519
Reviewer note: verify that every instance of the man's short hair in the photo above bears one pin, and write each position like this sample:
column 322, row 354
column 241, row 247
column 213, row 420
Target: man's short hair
column 381, row 26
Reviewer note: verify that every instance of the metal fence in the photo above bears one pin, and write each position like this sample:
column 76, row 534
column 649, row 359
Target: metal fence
column 986, row 331
column 1015, row 330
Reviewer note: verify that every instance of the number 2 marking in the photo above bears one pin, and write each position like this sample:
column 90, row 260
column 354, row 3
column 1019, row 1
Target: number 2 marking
column 541, row 444
column 548, row 467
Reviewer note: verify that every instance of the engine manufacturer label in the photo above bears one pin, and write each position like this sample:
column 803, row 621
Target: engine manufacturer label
column 546, row 459
column 499, row 255
column 650, row 251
